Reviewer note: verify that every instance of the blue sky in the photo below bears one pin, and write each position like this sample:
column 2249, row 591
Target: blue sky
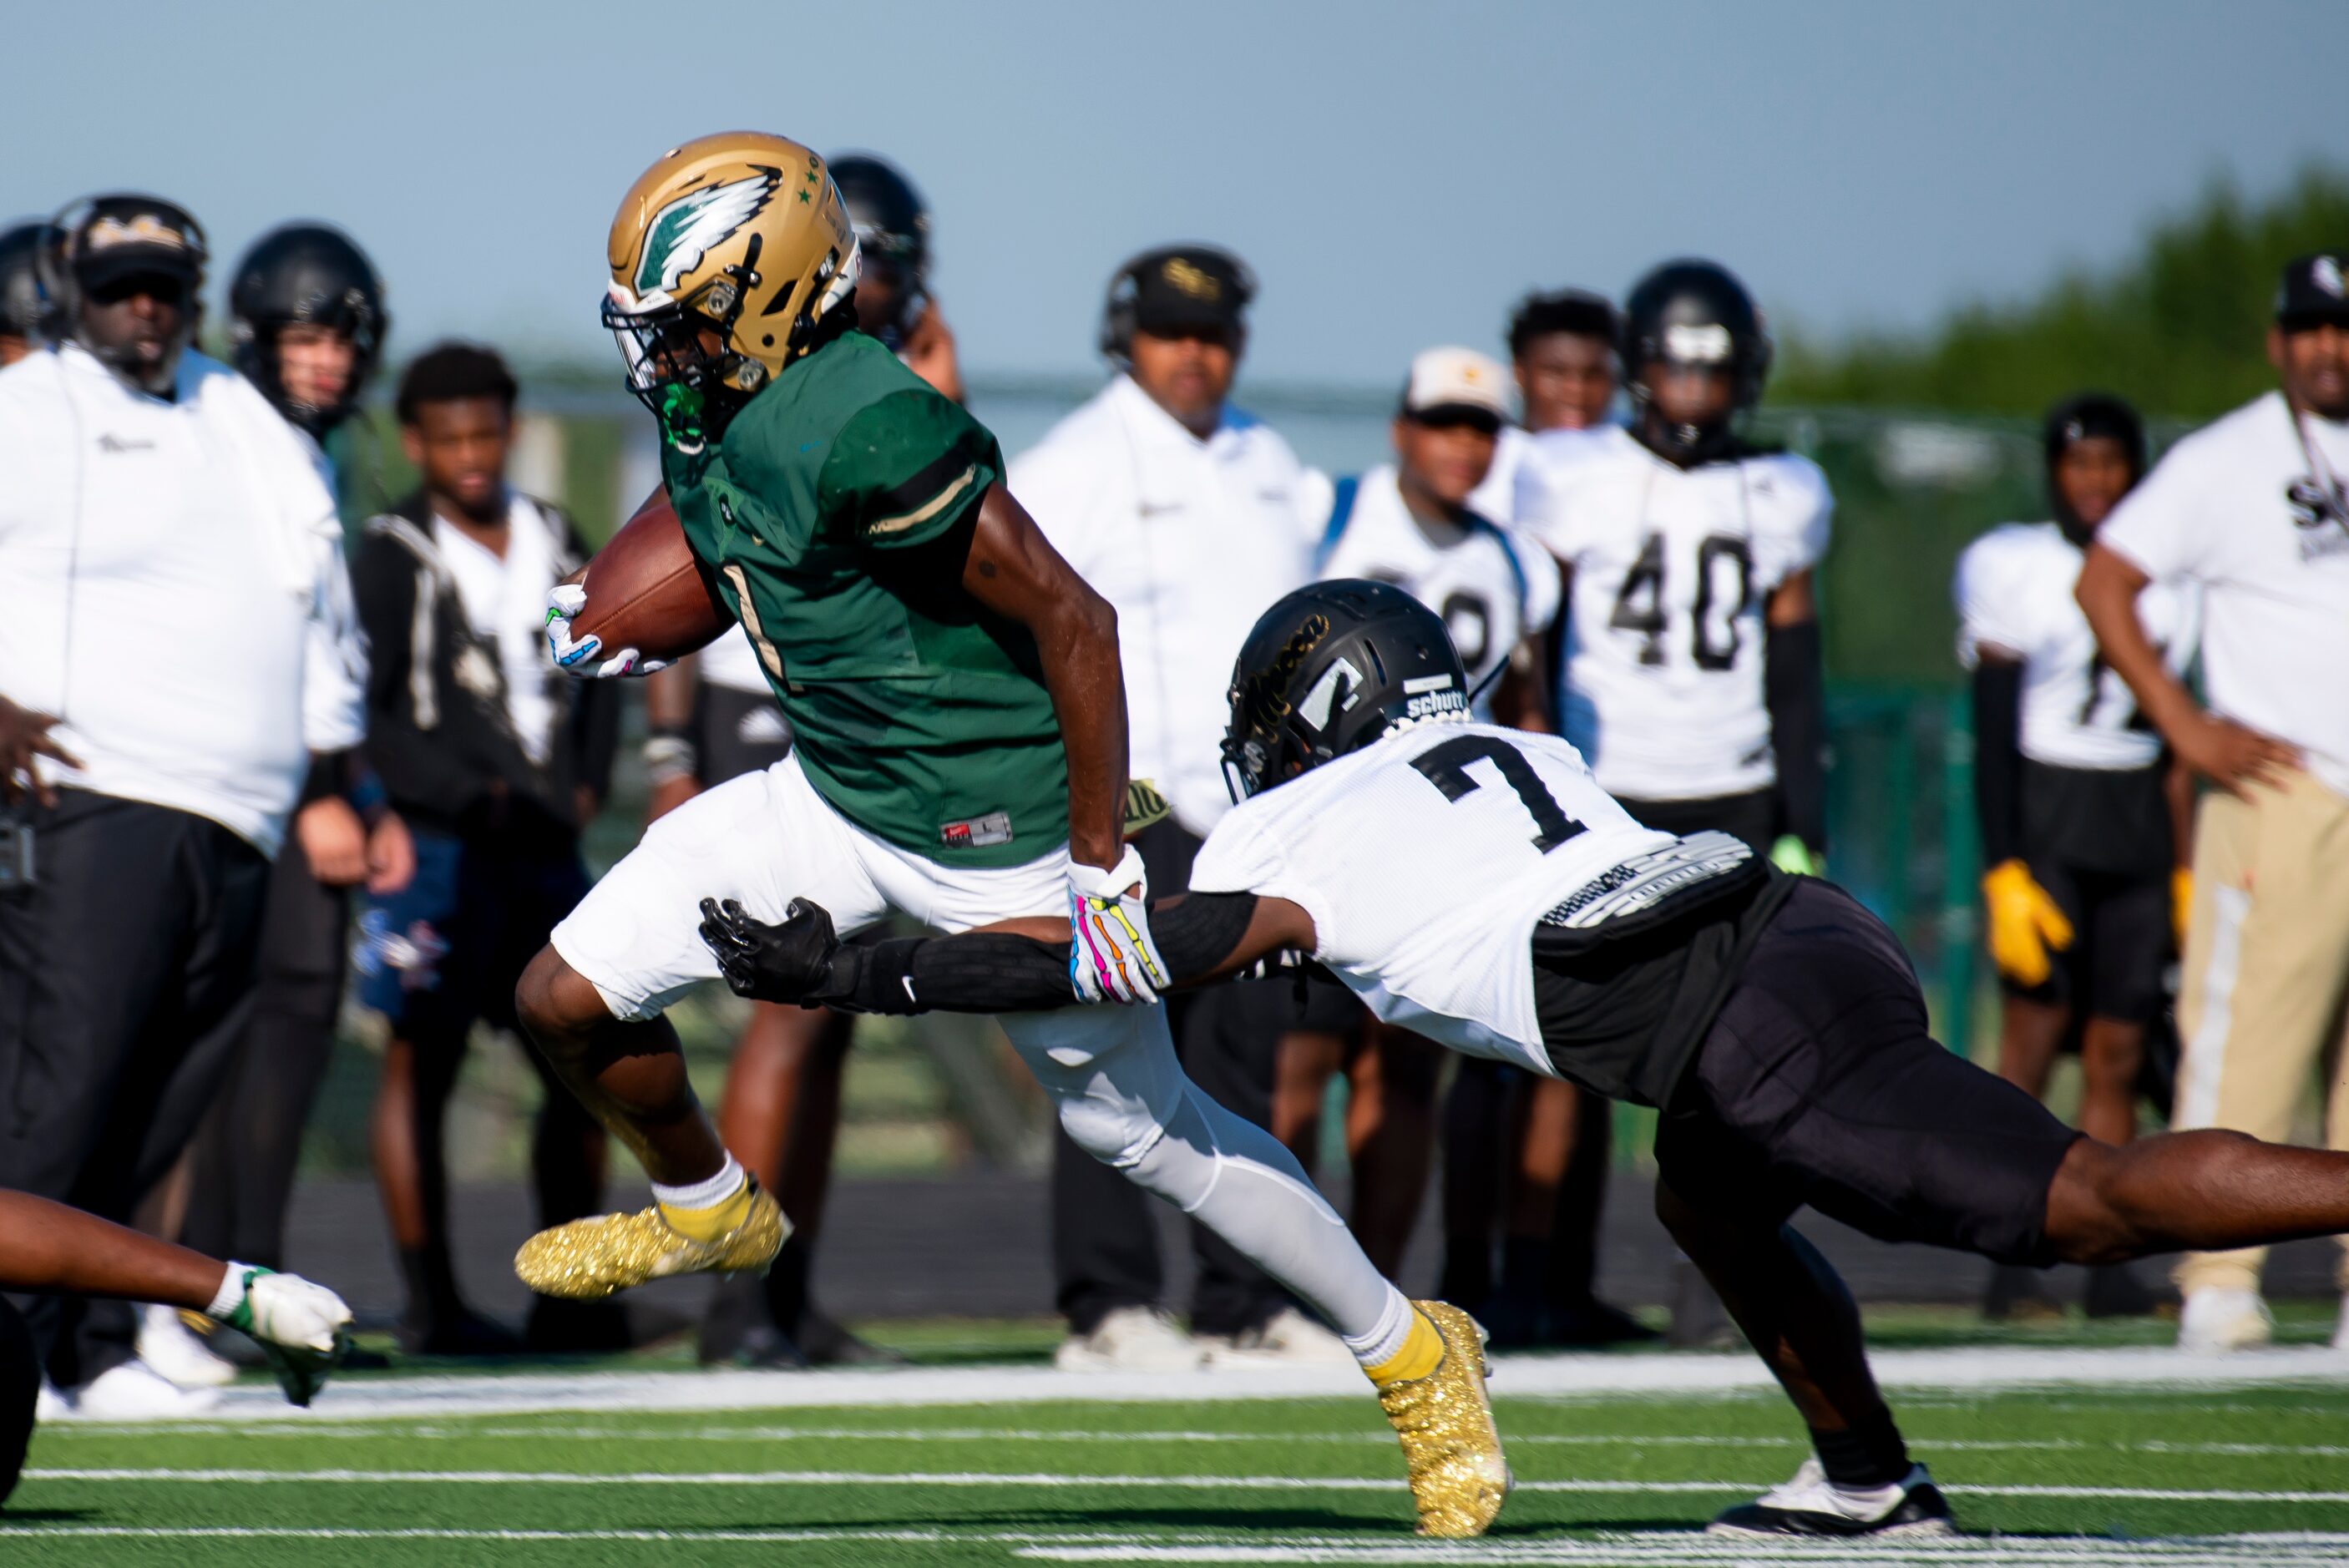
column 1397, row 174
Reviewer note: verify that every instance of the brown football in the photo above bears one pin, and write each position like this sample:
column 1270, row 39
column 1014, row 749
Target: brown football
column 646, row 591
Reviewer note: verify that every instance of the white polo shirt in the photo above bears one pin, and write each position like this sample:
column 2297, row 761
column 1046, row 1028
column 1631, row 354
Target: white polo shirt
column 2243, row 509
column 173, row 587
column 1191, row 541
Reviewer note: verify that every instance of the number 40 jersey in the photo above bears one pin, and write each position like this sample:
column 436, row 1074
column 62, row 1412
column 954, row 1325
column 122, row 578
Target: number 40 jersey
column 1662, row 683
column 1433, row 859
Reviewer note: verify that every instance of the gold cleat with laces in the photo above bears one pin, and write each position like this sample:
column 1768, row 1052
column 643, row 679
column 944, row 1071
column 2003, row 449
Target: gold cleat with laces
column 1458, row 1476
column 588, row 1260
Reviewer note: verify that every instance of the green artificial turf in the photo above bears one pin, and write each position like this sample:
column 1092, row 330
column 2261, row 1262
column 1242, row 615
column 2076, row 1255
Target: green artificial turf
column 1626, row 1480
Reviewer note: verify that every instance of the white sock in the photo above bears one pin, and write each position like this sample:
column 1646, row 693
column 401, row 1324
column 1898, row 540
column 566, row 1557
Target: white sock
column 1383, row 1342
column 703, row 1194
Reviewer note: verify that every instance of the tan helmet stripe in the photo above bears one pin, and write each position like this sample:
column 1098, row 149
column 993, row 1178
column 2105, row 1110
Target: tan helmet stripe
column 748, row 614
column 936, row 504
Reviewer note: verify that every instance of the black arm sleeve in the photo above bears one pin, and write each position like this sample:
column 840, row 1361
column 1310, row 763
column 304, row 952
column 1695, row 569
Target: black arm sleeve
column 1998, row 758
column 1794, row 690
column 994, row 972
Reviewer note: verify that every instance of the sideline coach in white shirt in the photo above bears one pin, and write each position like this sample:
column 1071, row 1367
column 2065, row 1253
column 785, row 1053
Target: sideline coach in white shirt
column 1190, row 517
column 2253, row 510
column 175, row 642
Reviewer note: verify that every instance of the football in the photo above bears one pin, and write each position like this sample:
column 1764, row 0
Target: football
column 646, row 591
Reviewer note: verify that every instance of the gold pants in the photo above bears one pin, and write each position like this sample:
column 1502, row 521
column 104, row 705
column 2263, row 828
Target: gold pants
column 2266, row 971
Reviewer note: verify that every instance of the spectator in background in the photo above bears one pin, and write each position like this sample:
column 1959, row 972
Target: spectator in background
column 712, row 719
column 497, row 761
column 20, row 290
column 1562, row 347
column 1190, row 517
column 1691, row 680
column 1409, row 523
column 2081, row 833
column 307, row 316
column 176, row 650
column 2253, row 510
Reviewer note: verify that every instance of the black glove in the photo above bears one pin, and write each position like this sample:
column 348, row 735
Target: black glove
column 788, row 963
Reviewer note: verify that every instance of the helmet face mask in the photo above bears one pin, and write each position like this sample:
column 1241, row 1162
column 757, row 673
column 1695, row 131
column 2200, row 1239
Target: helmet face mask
column 1332, row 668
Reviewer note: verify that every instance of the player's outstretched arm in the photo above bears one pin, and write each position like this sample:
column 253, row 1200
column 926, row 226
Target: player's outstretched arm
column 1013, row 569
column 54, row 1250
column 1017, row 967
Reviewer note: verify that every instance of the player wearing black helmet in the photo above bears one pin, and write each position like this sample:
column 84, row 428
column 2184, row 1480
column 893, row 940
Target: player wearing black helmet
column 1513, row 910
column 307, row 313
column 2082, row 832
column 1691, row 674
column 22, row 304
column 892, row 296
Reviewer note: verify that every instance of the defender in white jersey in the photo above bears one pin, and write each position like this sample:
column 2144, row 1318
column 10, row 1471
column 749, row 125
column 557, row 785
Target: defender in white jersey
column 2082, row 820
column 1691, row 672
column 1480, row 886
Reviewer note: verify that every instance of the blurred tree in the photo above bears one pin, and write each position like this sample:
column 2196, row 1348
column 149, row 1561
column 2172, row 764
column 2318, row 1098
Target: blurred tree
column 2179, row 329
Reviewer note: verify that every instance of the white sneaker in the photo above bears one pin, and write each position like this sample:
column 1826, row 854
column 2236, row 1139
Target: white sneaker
column 1130, row 1339
column 50, row 1404
column 168, row 1344
column 1288, row 1335
column 1812, row 1506
column 2217, row 1320
column 2340, row 1329
column 135, row 1391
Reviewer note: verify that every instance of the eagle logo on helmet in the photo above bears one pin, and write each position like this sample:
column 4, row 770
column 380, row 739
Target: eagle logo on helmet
column 688, row 228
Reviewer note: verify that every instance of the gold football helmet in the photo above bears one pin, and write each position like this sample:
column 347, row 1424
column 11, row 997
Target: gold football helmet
column 726, row 254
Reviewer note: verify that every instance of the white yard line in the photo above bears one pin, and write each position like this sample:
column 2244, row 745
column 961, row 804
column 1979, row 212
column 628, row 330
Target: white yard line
column 983, row 1479
column 376, row 1431
column 1976, row 1369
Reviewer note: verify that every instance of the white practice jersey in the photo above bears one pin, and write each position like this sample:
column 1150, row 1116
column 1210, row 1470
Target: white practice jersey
column 2013, row 590
column 1426, row 859
column 1662, row 683
column 1493, row 586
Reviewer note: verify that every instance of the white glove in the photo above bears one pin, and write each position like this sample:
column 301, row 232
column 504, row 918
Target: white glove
column 584, row 656
column 303, row 1328
column 1111, row 955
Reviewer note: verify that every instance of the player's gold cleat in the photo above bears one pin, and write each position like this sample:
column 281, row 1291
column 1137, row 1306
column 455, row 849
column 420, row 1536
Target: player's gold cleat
column 587, row 1260
column 1458, row 1476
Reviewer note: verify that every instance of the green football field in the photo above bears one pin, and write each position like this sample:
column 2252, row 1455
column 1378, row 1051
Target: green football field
column 991, row 1465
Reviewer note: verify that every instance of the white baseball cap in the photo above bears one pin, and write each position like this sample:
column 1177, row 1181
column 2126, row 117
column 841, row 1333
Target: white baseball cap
column 1456, row 378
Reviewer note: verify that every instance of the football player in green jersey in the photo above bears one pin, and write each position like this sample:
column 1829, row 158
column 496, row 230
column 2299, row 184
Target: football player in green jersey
column 959, row 706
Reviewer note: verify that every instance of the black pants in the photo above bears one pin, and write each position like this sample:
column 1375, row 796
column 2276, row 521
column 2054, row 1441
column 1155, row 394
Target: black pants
column 250, row 1145
column 20, row 1395
column 125, row 981
column 1104, row 1242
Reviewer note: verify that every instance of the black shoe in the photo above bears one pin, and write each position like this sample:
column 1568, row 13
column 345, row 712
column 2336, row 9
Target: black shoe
column 463, row 1332
column 1809, row 1505
column 560, row 1328
column 2115, row 1291
column 2019, row 1295
column 825, row 1342
column 1592, row 1324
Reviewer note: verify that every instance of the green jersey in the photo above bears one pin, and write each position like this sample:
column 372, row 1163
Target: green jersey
column 919, row 716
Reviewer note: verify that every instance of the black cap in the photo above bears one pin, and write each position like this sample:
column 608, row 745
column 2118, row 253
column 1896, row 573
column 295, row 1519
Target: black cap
column 2314, row 289
column 1184, row 286
column 125, row 236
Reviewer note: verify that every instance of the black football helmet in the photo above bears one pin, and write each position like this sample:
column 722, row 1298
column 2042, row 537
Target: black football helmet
column 1328, row 670
column 313, row 276
column 893, row 234
column 24, row 308
column 1691, row 311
